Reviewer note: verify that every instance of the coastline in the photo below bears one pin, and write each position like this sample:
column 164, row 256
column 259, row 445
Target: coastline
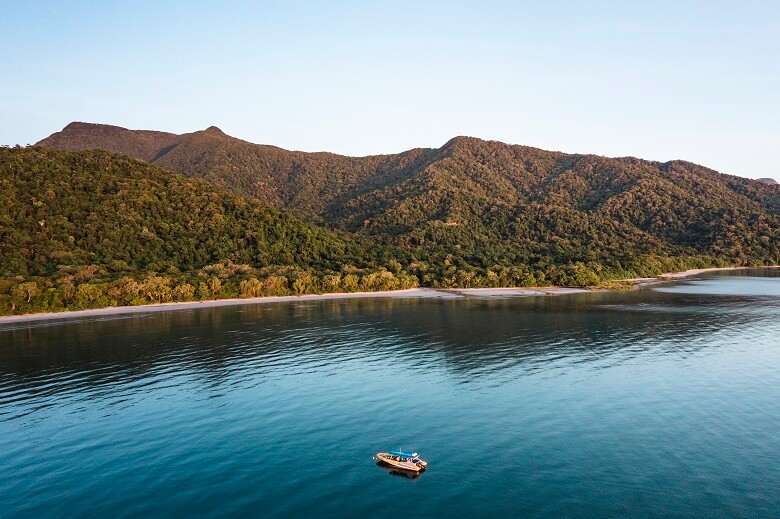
column 409, row 293
column 671, row 276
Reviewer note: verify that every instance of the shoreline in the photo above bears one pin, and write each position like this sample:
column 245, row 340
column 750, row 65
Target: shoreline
column 408, row 293
column 672, row 276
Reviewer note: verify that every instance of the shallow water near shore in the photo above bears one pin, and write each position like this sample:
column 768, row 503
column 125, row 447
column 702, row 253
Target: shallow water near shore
column 656, row 403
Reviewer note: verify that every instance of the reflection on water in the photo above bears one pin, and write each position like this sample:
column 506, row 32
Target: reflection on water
column 641, row 403
column 395, row 472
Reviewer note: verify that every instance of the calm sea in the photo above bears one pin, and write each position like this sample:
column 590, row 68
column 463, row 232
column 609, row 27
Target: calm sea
column 664, row 402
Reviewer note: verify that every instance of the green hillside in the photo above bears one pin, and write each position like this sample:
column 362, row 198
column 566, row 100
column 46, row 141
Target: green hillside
column 89, row 228
column 483, row 204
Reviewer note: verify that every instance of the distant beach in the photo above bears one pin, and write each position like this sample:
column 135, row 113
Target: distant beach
column 670, row 276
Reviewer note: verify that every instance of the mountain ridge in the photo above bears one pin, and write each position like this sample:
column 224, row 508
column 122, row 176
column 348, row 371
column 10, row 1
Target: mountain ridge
column 162, row 150
column 474, row 205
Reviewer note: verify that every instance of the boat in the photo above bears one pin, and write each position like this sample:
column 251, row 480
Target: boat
column 403, row 460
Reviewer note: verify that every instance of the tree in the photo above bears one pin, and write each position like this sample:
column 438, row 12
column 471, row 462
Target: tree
column 251, row 287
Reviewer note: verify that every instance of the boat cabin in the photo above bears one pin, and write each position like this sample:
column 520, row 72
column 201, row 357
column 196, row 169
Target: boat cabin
column 404, row 456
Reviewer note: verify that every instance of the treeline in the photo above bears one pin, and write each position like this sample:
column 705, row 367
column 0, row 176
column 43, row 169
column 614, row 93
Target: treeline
column 92, row 286
column 544, row 273
column 79, row 287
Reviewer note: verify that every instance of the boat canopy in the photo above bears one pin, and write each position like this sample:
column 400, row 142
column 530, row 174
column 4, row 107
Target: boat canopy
column 404, row 454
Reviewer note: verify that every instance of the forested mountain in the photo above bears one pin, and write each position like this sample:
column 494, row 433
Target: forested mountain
column 88, row 227
column 91, row 228
column 524, row 205
column 483, row 212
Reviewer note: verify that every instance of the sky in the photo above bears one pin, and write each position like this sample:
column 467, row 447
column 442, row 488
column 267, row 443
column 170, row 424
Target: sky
column 698, row 81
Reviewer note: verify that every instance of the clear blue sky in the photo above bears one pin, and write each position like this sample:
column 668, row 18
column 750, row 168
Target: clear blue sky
column 660, row 80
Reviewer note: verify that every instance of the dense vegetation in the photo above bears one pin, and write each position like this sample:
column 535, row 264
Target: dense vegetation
column 88, row 229
column 571, row 218
column 472, row 213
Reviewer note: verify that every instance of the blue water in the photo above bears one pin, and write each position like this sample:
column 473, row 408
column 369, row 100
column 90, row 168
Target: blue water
column 664, row 402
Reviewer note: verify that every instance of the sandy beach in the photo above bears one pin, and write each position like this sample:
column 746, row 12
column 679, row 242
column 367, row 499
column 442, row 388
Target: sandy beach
column 671, row 276
column 694, row 272
column 413, row 293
